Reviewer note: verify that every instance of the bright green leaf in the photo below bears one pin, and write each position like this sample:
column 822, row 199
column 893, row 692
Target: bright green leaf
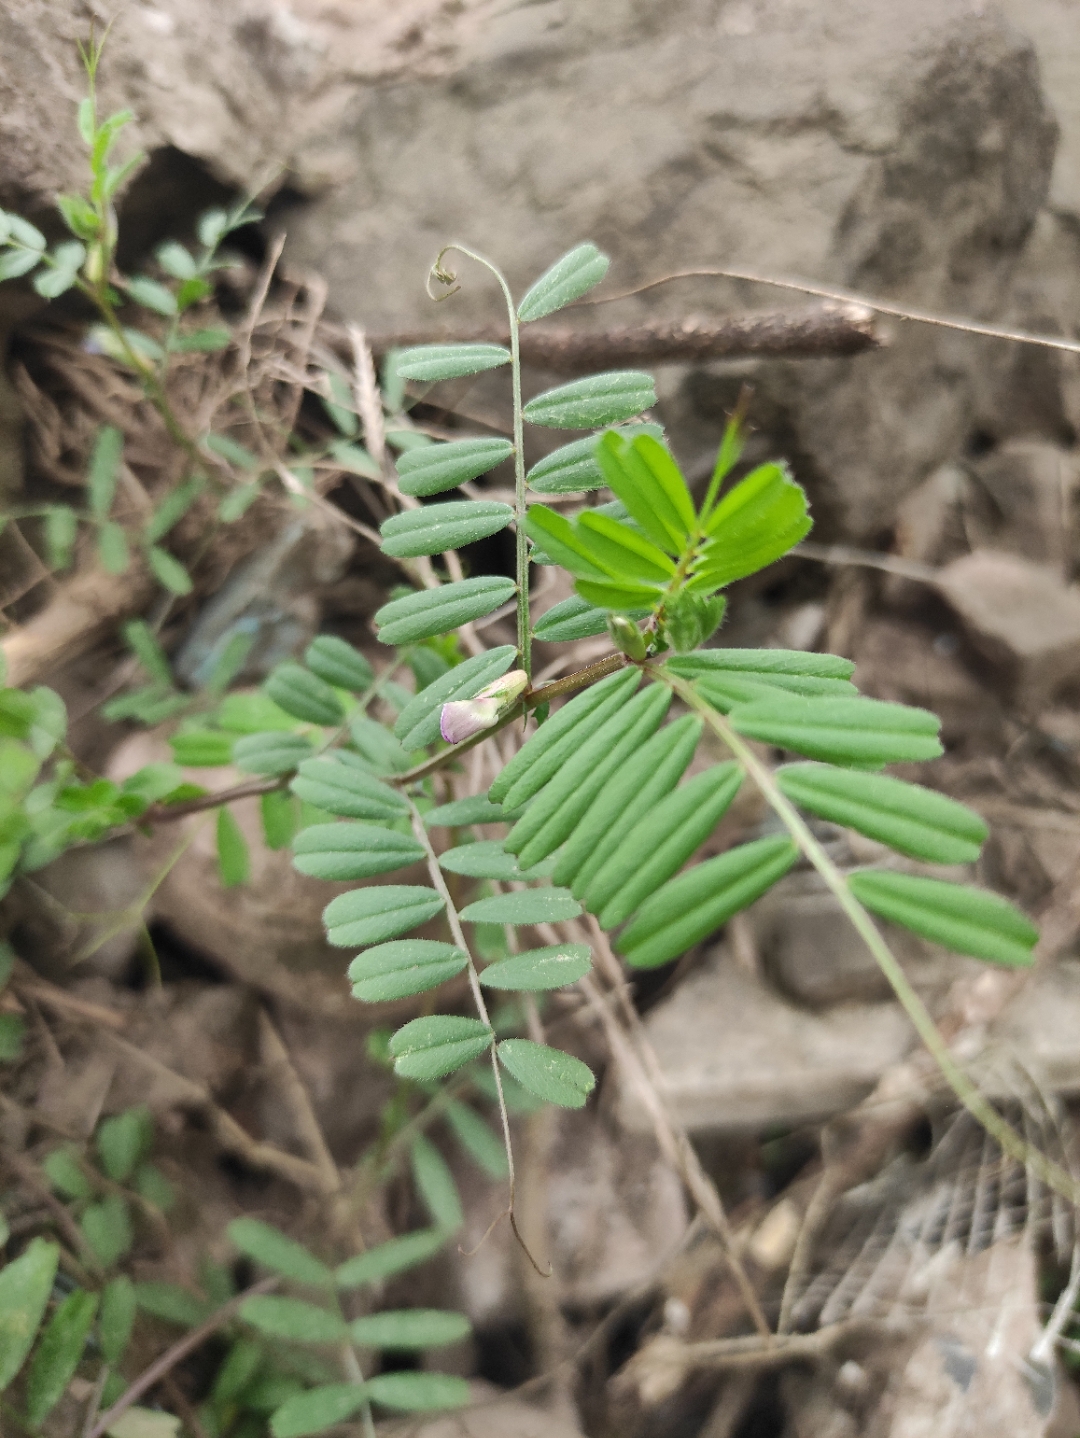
column 573, row 467
column 25, row 1285
column 966, row 920
column 643, row 475
column 168, row 571
column 64, row 1172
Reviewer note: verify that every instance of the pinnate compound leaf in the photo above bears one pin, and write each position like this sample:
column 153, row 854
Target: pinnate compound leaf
column 437, row 467
column 293, row 1318
column 418, row 723
column 572, row 619
column 436, row 1185
column 552, row 817
column 857, row 732
column 276, row 1251
column 404, row 967
column 631, row 793
column 549, row 1073
column 384, row 911
column 643, row 475
column 594, row 401
column 661, row 842
column 693, row 905
column 303, row 694
column 340, row 789
column 526, row 906
column 338, row 663
column 552, row 967
column 573, row 467
column 567, row 280
column 562, row 735
column 418, row 1392
column 427, row 1048
column 438, row 527
column 118, row 1305
column 317, row 1409
column 397, row 1255
column 907, row 817
column 58, row 1354
column 437, row 611
column 405, row 1329
column 269, row 753
column 25, row 1285
column 344, row 851
column 966, row 920
column 431, row 363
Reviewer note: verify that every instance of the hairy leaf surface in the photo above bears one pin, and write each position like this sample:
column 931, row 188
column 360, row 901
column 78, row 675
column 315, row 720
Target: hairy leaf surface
column 384, row 911
column 549, row 1073
column 436, row 611
column 439, row 527
column 858, row 732
column 404, row 967
column 588, row 403
column 427, row 1048
column 433, row 468
column 966, row 920
column 343, row 851
column 341, row 789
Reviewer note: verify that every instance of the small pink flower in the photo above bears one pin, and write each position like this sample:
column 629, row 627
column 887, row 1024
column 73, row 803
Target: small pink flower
column 462, row 718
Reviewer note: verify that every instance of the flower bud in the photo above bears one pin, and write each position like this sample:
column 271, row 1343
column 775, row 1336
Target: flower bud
column 627, row 636
column 462, row 718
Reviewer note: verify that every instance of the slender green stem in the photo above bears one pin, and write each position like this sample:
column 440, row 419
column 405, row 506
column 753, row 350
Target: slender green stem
column 961, row 1084
column 524, row 631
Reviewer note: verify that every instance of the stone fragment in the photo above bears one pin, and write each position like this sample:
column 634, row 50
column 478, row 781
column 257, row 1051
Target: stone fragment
column 1022, row 619
column 1033, row 486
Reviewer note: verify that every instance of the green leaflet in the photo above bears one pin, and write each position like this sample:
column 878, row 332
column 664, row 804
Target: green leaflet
column 427, row 1048
column 860, row 732
column 234, row 859
column 476, row 1137
column 693, row 905
column 630, row 793
column 623, row 595
column 104, row 470
column 276, row 1251
column 171, row 1303
column 437, row 467
column 766, row 662
column 397, row 1255
column 58, row 1354
column 567, row 280
column 436, row 1185
column 431, row 363
column 271, row 753
column 549, row 1073
column 418, row 723
column 573, row 467
column 122, row 1140
column 908, row 818
column 404, row 967
column 304, row 695
column 339, row 664
column 727, row 688
column 384, row 911
column 484, row 860
column 419, row 1392
column 588, row 403
column 560, row 542
column 341, row 789
column 753, row 525
column 118, row 1305
column 408, row 1328
column 621, row 552
column 660, row 843
column 966, row 920
column 527, row 906
column 552, row 967
column 436, row 611
column 646, row 479
column 552, row 816
column 317, row 1409
column 293, row 1318
column 572, row 619
column 477, row 809
column 439, row 527
column 344, row 851
column 107, row 1228
column 542, row 756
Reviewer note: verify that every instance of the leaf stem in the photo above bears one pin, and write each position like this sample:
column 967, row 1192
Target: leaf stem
column 961, row 1084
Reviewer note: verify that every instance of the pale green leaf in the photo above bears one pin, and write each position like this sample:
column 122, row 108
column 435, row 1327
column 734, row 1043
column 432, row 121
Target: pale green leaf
column 117, row 1318
column 430, row 1047
column 567, row 280
column 276, row 1251
column 549, row 1073
column 526, row 906
column 383, row 911
column 435, row 528
column 395, row 1256
column 859, row 732
column 168, row 571
column 123, row 1140
column 340, row 789
column 436, row 611
column 303, row 694
column 292, row 1318
column 574, row 467
column 409, row 1328
column 552, row 967
column 171, row 1303
column 339, row 664
column 476, row 1137
column 594, row 401
column 403, row 967
column 418, row 723
column 418, row 1392
column 477, row 809
column 433, row 468
column 343, row 851
column 430, row 363
column 104, row 470
column 317, row 1409
column 436, row 1185
column 234, row 861
column 113, row 548
column 270, row 753
column 106, row 1226
column 572, row 619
